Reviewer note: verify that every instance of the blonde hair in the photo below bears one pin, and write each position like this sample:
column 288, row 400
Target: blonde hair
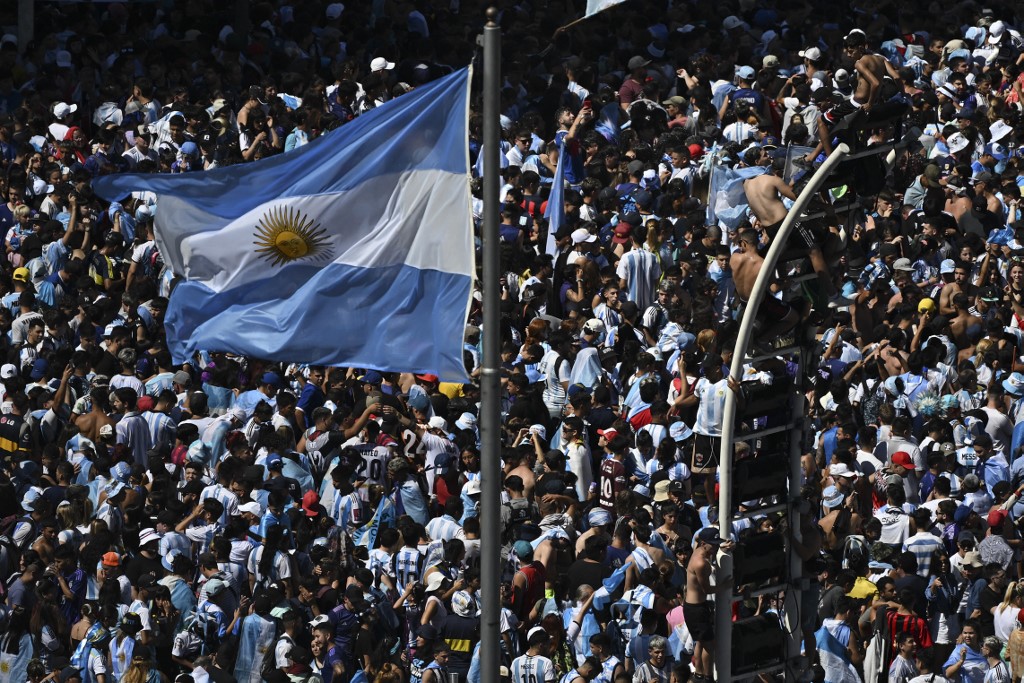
column 707, row 340
column 137, row 671
column 389, row 673
column 1009, row 595
column 979, row 351
column 22, row 211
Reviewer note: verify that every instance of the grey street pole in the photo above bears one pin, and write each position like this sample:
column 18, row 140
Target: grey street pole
column 490, row 380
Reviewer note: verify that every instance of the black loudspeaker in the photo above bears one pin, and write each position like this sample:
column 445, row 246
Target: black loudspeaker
column 758, row 558
column 766, row 399
column 761, row 475
column 757, row 642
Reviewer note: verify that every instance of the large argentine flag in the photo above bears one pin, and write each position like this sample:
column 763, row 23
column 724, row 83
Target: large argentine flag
column 355, row 249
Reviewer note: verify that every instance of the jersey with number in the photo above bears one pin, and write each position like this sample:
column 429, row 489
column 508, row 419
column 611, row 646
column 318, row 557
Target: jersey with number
column 375, row 465
column 612, row 480
column 607, row 674
column 532, row 669
column 407, row 567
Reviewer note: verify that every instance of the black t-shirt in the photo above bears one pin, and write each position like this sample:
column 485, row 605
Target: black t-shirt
column 139, row 565
column 582, row 573
column 107, row 365
column 364, row 645
column 917, row 584
column 987, row 600
column 327, row 600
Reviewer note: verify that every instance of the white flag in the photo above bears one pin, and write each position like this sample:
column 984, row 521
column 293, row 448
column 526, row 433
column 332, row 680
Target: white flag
column 595, row 6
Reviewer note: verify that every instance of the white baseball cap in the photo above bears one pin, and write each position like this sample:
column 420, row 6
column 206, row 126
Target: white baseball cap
column 381, row 64
column 148, row 536
column 62, row 109
column 811, row 53
column 582, row 235
column 251, row 508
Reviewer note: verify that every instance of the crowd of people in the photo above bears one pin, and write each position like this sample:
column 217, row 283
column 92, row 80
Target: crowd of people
column 234, row 519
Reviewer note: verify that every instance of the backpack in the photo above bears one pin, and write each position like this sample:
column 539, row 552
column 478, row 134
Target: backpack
column 151, row 263
column 855, row 552
column 388, row 626
column 7, row 527
column 520, row 513
column 628, row 202
column 269, row 669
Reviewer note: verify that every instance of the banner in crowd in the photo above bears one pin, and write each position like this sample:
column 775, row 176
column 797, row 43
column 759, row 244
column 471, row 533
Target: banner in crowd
column 356, row 249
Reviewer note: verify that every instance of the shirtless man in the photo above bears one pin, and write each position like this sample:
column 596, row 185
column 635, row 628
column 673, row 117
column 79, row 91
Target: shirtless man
column 961, row 284
column 644, row 555
column 698, row 611
column 764, row 194
column 746, row 264
column 90, row 423
column 964, row 325
column 521, row 465
column 872, row 72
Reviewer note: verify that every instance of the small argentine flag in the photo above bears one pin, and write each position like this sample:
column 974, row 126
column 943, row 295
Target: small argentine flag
column 595, row 6
column 356, row 249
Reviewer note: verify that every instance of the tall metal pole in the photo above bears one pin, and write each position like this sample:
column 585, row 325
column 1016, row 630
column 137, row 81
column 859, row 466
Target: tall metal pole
column 490, row 380
column 723, row 583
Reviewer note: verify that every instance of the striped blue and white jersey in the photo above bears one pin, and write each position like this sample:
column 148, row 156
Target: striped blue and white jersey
column 532, row 669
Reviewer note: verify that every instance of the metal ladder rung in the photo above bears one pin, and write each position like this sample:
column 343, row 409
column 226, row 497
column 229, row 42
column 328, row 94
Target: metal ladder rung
column 767, row 590
column 833, row 210
column 873, row 150
column 766, row 432
column 784, row 351
column 765, row 510
column 746, row 675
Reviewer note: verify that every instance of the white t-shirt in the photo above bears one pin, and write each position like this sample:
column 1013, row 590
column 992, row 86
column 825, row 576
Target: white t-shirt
column 555, row 369
column 279, row 568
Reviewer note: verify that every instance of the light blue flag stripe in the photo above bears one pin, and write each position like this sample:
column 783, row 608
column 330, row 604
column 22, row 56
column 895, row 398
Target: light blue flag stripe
column 728, row 196
column 608, row 123
column 356, row 249
column 424, row 129
column 555, row 210
column 834, row 658
column 366, row 535
column 602, row 596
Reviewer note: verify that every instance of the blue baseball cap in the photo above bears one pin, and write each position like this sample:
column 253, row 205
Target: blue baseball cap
column 372, row 377
column 997, row 151
column 274, row 462
column 523, row 550
column 271, row 378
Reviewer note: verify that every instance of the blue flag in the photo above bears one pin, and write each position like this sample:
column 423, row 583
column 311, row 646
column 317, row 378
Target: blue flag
column 603, row 595
column 384, row 516
column 356, row 249
column 727, row 195
column 608, row 123
column 555, row 210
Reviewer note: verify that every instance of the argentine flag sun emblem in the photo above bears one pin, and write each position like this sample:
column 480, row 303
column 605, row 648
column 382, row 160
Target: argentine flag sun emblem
column 284, row 233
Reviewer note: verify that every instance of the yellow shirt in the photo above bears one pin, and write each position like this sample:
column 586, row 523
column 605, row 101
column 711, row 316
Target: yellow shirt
column 863, row 589
column 450, row 389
